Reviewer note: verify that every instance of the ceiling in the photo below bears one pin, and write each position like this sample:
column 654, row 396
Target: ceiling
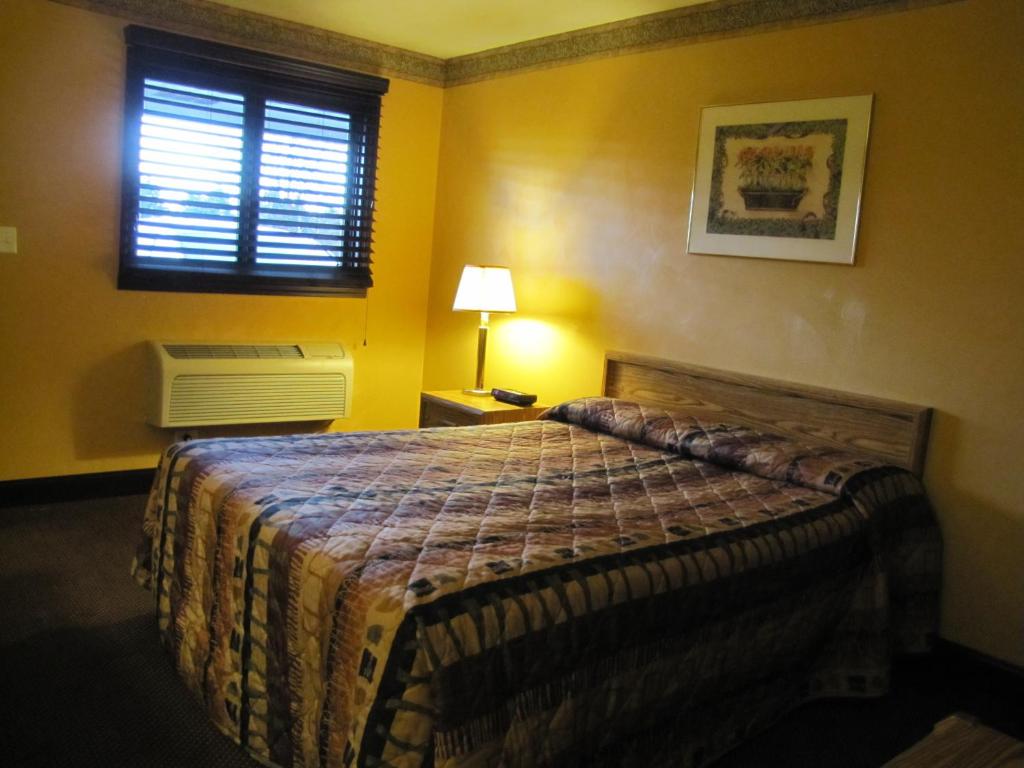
column 447, row 28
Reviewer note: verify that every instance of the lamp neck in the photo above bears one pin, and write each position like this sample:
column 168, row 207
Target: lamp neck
column 485, row 319
column 481, row 353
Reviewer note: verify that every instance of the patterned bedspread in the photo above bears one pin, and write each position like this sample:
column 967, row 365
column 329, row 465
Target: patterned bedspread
column 610, row 585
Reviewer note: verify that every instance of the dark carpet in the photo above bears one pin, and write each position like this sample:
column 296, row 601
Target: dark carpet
column 85, row 682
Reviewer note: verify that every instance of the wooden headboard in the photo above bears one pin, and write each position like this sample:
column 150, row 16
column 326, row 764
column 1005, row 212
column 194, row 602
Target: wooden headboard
column 893, row 431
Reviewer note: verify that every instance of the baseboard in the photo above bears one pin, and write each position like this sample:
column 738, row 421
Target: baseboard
column 968, row 656
column 51, row 490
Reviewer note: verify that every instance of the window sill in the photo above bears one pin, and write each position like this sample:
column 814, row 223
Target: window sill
column 152, row 279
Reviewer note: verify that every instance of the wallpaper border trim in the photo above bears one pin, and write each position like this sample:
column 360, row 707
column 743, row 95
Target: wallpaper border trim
column 223, row 24
column 709, row 21
column 692, row 24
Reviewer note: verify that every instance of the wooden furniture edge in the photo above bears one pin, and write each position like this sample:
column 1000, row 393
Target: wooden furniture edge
column 437, row 396
column 910, row 423
column 439, row 400
column 962, row 740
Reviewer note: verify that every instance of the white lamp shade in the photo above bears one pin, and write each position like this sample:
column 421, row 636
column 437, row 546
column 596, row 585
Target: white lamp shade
column 485, row 289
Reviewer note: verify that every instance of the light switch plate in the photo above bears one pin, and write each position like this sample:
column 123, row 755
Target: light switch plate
column 8, row 240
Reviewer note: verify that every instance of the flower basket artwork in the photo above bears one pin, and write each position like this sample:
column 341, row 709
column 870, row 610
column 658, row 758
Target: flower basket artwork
column 774, row 178
column 780, row 180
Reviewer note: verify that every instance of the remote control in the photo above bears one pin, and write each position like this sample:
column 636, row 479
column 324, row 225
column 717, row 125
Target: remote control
column 513, row 397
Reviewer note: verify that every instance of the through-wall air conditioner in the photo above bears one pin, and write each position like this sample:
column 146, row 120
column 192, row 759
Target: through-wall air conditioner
column 200, row 384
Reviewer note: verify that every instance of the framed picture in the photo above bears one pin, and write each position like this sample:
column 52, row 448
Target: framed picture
column 780, row 180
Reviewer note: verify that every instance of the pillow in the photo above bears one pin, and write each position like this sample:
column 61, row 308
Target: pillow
column 734, row 446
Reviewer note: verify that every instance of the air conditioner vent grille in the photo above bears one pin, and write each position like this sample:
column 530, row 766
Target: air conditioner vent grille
column 233, row 351
column 227, row 399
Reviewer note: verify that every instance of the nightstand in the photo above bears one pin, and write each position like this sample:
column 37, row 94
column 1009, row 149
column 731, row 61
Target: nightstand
column 454, row 408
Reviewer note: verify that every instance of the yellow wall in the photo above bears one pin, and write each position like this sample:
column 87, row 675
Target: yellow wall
column 579, row 177
column 73, row 376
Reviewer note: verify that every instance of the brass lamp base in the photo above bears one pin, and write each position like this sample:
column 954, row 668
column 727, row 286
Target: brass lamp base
column 481, row 353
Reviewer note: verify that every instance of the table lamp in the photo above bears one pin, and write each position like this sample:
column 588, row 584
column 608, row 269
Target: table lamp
column 484, row 289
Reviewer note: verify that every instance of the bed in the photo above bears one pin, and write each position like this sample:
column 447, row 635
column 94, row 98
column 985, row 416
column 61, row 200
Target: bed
column 641, row 578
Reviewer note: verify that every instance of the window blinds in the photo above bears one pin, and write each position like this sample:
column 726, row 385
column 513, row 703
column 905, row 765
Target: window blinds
column 190, row 173
column 303, row 185
column 244, row 171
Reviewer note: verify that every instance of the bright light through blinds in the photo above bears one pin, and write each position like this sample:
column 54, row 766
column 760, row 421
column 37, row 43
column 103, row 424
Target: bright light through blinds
column 245, row 172
column 190, row 173
column 303, row 167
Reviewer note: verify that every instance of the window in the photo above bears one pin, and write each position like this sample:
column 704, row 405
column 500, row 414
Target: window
column 245, row 172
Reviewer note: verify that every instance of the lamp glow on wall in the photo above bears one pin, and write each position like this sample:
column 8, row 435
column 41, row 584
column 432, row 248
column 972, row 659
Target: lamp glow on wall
column 484, row 289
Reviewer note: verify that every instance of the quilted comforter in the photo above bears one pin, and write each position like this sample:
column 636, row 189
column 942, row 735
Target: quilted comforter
column 613, row 584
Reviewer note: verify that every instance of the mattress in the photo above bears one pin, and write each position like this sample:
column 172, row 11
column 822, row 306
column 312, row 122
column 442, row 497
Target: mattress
column 612, row 584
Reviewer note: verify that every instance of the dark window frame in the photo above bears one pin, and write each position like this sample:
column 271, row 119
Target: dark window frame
column 258, row 76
